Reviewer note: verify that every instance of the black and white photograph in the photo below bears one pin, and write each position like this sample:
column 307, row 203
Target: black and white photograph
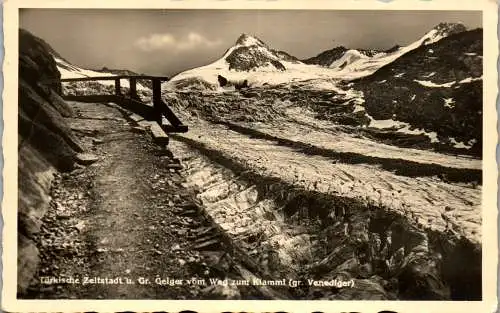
column 253, row 154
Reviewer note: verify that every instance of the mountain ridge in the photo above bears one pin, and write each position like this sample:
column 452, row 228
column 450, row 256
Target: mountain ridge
column 253, row 60
column 441, row 30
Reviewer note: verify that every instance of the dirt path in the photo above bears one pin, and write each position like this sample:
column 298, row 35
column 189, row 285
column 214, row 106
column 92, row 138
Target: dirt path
column 126, row 223
column 123, row 220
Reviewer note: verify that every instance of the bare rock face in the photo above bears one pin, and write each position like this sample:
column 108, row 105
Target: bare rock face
column 251, row 53
column 46, row 145
column 36, row 62
column 250, row 58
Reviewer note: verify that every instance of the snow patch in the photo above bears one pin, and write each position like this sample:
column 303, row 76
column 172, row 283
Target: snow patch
column 358, row 108
column 250, row 41
column 401, row 127
column 462, row 145
column 449, row 103
column 295, row 72
column 470, row 80
column 429, row 75
column 428, row 83
column 349, row 57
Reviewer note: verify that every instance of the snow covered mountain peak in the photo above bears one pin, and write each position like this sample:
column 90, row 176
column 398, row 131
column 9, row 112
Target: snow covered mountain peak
column 252, row 60
column 251, row 54
column 249, row 40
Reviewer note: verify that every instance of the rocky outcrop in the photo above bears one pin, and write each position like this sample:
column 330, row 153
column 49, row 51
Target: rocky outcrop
column 46, row 144
column 251, row 53
column 254, row 58
column 238, row 85
column 222, row 80
column 326, row 58
column 436, row 87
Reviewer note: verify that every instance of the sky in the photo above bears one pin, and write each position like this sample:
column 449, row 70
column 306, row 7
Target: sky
column 165, row 42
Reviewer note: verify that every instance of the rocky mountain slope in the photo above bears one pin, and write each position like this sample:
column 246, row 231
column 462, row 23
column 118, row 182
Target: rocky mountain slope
column 436, row 87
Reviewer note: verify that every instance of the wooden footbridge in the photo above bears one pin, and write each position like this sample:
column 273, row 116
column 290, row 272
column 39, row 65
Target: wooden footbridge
column 154, row 111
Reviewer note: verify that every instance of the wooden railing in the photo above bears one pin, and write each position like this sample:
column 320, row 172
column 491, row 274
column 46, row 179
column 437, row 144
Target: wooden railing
column 132, row 101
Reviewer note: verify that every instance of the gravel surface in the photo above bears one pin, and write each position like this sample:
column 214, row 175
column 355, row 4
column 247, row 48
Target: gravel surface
column 124, row 227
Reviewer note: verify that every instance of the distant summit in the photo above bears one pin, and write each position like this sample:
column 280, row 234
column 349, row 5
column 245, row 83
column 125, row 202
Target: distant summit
column 248, row 40
column 250, row 53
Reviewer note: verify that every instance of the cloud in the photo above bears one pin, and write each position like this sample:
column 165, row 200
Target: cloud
column 169, row 42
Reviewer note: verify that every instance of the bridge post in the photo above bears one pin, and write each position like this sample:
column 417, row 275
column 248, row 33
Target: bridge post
column 133, row 88
column 157, row 99
column 118, row 90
